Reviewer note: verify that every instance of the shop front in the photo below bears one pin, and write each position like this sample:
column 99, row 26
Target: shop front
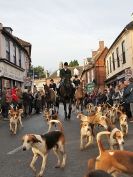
column 123, row 75
column 10, row 76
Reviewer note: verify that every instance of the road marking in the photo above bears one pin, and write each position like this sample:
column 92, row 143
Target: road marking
column 14, row 150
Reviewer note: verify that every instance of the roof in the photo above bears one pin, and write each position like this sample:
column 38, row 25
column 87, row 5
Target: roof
column 79, row 68
column 129, row 26
column 19, row 41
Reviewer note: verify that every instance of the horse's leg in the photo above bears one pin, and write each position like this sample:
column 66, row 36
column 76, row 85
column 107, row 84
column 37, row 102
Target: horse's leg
column 81, row 102
column 65, row 109
column 77, row 105
column 70, row 110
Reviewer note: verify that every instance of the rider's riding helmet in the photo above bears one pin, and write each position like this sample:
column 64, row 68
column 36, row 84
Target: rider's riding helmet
column 51, row 80
column 65, row 64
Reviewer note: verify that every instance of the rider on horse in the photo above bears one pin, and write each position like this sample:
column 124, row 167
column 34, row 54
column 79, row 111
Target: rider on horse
column 65, row 75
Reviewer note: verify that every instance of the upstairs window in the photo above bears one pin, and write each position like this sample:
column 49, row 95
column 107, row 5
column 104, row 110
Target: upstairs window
column 107, row 67
column 117, row 55
column 20, row 58
column 14, row 53
column 123, row 52
column 7, row 49
column 110, row 64
column 113, row 61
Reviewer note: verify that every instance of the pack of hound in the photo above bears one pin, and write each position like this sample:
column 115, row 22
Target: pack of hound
column 110, row 118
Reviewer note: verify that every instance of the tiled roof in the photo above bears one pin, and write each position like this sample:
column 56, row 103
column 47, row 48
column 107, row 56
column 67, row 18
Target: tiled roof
column 129, row 26
column 22, row 42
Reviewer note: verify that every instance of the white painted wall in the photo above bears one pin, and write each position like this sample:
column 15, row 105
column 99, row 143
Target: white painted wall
column 128, row 38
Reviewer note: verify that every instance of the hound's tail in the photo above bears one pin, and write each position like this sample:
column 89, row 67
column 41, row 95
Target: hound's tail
column 99, row 143
column 56, row 122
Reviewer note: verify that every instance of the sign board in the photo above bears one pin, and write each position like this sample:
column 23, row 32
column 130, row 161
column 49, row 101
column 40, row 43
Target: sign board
column 128, row 73
column 90, row 87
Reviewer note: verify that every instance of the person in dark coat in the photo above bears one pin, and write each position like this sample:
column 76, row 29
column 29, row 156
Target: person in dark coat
column 76, row 81
column 65, row 73
column 52, row 85
column 128, row 98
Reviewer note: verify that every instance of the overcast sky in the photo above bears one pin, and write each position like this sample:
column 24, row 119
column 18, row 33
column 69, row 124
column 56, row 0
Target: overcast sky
column 63, row 30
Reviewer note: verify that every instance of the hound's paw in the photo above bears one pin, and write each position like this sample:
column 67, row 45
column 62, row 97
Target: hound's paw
column 33, row 168
column 81, row 148
column 57, row 166
column 62, row 165
column 39, row 175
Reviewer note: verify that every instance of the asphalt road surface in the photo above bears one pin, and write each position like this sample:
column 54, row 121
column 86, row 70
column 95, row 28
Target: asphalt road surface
column 15, row 163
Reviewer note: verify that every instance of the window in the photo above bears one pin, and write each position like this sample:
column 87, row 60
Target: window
column 14, row 53
column 19, row 57
column 110, row 64
column 113, row 61
column 117, row 55
column 107, row 67
column 123, row 52
column 7, row 49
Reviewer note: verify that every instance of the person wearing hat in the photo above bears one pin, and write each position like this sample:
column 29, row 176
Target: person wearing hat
column 52, row 85
column 65, row 73
column 76, row 81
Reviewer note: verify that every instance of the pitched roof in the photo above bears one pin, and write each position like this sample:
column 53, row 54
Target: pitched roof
column 79, row 68
column 19, row 41
column 129, row 26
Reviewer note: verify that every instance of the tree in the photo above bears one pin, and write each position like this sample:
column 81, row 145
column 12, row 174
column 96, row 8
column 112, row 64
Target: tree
column 38, row 72
column 73, row 63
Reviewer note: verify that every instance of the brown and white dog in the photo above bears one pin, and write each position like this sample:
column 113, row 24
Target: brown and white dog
column 50, row 114
column 85, row 135
column 112, row 161
column 123, row 122
column 15, row 119
column 95, row 119
column 52, row 123
column 116, row 139
column 42, row 144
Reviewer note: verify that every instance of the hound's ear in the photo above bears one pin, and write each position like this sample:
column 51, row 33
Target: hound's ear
column 35, row 140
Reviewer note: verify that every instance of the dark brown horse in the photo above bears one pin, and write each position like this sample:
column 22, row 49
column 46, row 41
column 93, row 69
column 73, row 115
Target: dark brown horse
column 49, row 97
column 66, row 92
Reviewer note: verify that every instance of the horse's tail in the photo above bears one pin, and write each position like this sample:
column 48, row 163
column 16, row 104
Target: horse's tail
column 56, row 122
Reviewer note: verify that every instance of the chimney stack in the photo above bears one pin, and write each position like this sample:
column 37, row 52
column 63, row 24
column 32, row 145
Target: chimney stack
column 8, row 29
column 101, row 45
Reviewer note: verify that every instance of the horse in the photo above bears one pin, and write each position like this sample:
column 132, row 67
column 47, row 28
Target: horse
column 49, row 97
column 66, row 94
column 79, row 97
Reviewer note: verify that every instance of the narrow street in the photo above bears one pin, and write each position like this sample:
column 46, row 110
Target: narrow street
column 14, row 162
